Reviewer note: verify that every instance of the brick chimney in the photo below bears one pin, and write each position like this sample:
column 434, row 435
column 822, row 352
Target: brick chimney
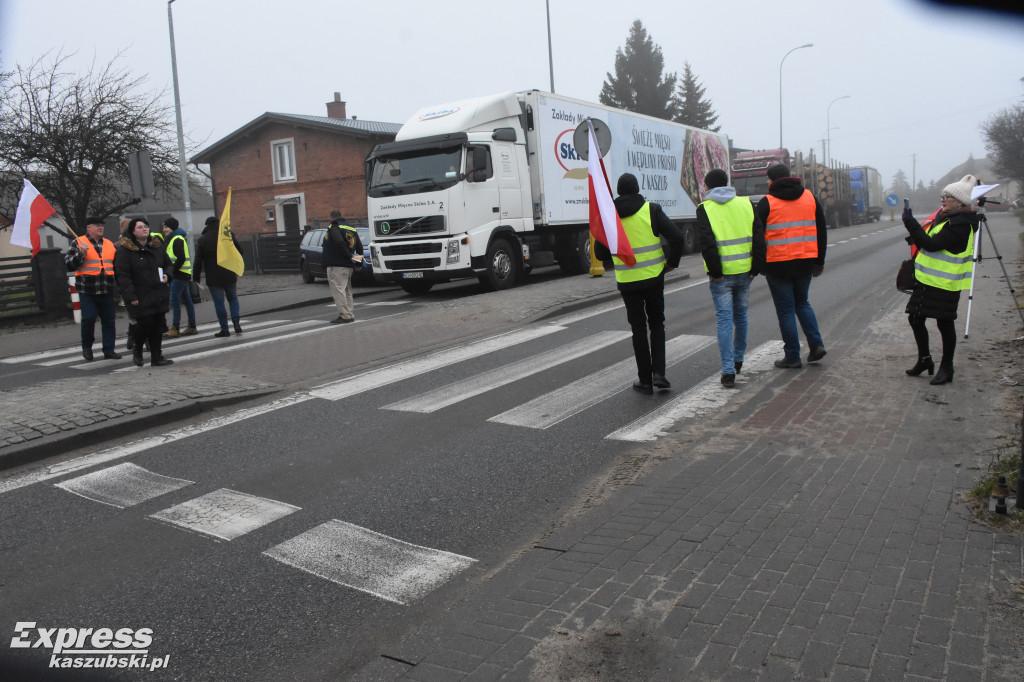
column 336, row 109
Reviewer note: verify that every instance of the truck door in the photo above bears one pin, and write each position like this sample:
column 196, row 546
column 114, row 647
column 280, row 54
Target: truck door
column 483, row 203
column 509, row 187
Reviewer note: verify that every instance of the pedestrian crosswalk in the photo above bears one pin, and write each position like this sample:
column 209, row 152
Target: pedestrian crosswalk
column 343, row 553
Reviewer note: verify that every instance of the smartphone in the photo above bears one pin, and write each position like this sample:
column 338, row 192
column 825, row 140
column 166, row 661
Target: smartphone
column 906, row 203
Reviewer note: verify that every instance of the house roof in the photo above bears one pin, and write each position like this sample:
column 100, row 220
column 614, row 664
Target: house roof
column 346, row 126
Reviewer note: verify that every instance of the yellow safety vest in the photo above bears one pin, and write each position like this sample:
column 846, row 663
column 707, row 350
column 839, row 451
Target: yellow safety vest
column 187, row 266
column 650, row 258
column 945, row 270
column 733, row 226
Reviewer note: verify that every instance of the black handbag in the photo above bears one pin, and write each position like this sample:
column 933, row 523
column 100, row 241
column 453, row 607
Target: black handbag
column 905, row 278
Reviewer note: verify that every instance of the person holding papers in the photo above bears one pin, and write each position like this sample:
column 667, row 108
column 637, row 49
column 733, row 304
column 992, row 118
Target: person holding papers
column 142, row 268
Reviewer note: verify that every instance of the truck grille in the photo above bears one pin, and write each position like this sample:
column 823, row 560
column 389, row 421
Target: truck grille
column 409, row 249
column 401, row 226
column 415, row 264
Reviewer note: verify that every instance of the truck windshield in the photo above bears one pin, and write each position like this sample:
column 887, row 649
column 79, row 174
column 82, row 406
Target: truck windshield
column 423, row 170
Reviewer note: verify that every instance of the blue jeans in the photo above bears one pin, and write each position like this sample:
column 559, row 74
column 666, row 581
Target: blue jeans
column 180, row 292
column 791, row 304
column 217, row 294
column 104, row 308
column 730, row 297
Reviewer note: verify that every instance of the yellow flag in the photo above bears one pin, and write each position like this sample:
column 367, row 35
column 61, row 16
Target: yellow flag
column 228, row 256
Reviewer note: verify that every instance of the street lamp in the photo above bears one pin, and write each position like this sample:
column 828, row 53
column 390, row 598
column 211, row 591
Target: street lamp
column 551, row 62
column 828, row 134
column 780, row 86
column 181, row 135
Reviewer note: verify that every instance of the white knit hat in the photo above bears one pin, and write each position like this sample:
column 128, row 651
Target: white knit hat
column 961, row 190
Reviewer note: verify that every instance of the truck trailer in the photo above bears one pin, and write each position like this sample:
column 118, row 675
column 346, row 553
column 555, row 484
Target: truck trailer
column 866, row 194
column 492, row 187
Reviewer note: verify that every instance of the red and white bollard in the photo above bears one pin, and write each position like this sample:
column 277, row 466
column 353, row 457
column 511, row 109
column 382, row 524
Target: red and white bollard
column 76, row 306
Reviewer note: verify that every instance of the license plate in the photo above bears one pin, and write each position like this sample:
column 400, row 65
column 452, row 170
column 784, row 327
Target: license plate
column 412, row 275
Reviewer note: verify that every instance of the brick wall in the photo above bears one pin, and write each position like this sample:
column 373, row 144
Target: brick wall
column 328, row 167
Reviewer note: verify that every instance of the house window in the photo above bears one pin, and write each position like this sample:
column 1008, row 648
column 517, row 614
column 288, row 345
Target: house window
column 282, row 152
column 270, row 215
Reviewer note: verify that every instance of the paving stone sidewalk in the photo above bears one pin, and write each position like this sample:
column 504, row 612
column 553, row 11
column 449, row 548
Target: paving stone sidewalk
column 816, row 533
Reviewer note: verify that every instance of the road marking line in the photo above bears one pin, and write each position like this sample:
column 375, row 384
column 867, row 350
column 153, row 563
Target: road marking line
column 122, row 485
column 356, row 557
column 706, row 396
column 45, row 473
column 558, row 405
column 436, row 399
column 375, row 378
column 225, row 514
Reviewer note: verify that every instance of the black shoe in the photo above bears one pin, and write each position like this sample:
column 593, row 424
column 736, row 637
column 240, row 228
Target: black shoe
column 339, row 319
column 739, row 366
column 131, row 342
column 729, row 380
column 238, row 327
column 87, row 354
column 923, row 363
column 222, row 334
column 137, row 357
column 660, row 381
column 943, row 376
column 642, row 387
column 786, row 364
column 817, row 353
column 160, row 362
column 112, row 356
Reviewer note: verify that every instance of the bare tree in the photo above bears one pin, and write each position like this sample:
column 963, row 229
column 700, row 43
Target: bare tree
column 1004, row 139
column 71, row 135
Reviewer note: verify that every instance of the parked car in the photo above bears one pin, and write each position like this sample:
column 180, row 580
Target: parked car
column 311, row 257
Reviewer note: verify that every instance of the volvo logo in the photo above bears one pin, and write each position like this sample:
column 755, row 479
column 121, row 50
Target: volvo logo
column 385, row 228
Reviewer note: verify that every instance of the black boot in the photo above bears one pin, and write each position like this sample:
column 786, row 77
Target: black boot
column 131, row 337
column 943, row 376
column 924, row 362
column 137, row 356
column 238, row 327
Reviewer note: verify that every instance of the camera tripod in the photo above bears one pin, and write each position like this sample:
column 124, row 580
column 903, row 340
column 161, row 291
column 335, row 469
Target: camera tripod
column 983, row 226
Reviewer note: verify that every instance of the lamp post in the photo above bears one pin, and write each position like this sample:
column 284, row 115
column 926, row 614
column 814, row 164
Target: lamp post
column 551, row 62
column 780, row 86
column 828, row 134
column 181, row 136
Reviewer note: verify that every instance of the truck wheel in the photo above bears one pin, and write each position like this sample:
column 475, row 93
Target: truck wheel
column 502, row 265
column 307, row 276
column 573, row 254
column 416, row 287
column 689, row 238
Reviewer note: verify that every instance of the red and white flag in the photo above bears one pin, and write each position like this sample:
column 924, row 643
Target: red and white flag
column 33, row 210
column 604, row 219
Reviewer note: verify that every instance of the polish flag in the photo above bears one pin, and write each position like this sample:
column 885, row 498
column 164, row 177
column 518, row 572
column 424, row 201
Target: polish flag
column 604, row 220
column 33, row 210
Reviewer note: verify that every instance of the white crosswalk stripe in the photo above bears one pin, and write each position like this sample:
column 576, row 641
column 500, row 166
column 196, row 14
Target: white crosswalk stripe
column 122, row 485
column 225, row 514
column 699, row 400
column 500, row 376
column 558, row 405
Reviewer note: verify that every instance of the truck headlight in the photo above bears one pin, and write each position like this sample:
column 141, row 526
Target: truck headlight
column 453, row 251
column 373, row 256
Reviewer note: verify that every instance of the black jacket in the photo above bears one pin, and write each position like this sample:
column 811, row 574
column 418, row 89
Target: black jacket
column 138, row 278
column 672, row 238
column 339, row 246
column 926, row 300
column 206, row 259
column 787, row 189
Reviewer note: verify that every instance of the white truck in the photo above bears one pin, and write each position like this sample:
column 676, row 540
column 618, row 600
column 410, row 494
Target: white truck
column 492, row 187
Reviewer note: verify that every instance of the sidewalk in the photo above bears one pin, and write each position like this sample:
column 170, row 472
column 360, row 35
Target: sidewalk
column 815, row 533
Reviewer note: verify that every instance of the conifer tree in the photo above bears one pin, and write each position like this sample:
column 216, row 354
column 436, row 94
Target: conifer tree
column 639, row 83
column 694, row 110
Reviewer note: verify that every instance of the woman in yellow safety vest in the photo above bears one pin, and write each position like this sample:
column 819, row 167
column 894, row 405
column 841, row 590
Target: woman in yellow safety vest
column 943, row 267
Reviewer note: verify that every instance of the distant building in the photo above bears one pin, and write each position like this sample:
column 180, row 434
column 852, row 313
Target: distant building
column 290, row 170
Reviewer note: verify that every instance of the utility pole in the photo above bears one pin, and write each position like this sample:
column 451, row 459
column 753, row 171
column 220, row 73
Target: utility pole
column 181, row 135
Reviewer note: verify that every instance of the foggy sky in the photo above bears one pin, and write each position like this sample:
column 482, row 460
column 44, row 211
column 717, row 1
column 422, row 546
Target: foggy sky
column 920, row 80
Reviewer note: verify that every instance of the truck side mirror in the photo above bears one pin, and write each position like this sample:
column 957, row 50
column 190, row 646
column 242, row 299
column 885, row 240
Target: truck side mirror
column 477, row 176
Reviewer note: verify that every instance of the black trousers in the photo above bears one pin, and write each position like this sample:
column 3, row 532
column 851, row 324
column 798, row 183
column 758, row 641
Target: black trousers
column 645, row 308
column 946, row 329
column 151, row 329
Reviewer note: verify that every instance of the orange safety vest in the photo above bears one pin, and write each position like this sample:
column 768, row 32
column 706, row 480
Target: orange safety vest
column 792, row 231
column 94, row 263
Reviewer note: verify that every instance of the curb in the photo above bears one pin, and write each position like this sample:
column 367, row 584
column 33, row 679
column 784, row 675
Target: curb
column 125, row 425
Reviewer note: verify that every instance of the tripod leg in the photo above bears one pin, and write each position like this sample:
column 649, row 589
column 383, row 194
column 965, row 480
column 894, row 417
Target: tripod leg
column 970, row 296
column 1006, row 276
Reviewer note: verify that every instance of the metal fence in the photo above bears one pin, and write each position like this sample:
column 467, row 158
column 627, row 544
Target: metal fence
column 17, row 287
column 265, row 252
